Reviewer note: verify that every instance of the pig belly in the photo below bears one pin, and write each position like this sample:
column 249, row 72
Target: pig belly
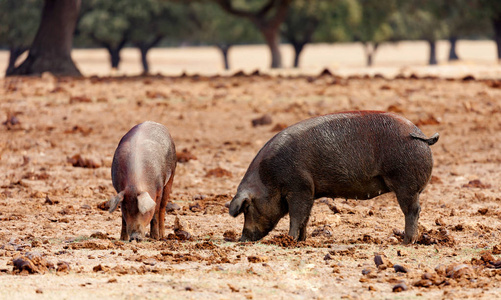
column 360, row 190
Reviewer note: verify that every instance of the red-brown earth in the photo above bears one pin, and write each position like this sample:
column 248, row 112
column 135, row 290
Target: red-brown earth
column 58, row 241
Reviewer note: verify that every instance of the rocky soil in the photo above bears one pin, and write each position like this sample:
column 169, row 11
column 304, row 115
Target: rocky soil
column 58, row 241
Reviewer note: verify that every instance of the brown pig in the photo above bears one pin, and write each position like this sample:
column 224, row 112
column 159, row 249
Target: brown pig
column 142, row 173
column 355, row 155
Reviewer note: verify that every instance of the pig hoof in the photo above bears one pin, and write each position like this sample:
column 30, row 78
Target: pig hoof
column 409, row 241
column 136, row 238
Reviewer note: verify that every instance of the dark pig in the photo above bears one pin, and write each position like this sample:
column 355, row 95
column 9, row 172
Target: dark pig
column 142, row 173
column 355, row 155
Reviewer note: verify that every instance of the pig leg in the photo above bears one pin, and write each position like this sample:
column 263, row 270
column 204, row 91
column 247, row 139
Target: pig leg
column 300, row 204
column 163, row 204
column 411, row 208
column 124, row 236
column 154, row 224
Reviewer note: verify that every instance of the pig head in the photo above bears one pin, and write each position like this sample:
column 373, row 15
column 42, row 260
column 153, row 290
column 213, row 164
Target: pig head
column 262, row 208
column 137, row 211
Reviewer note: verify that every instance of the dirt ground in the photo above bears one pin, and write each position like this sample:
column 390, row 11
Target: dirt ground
column 477, row 58
column 57, row 241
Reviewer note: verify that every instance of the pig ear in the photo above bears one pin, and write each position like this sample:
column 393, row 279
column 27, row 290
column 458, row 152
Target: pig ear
column 145, row 203
column 237, row 205
column 115, row 201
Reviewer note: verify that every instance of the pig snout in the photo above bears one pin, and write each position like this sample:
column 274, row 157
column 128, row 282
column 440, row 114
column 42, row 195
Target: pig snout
column 136, row 231
column 136, row 236
column 252, row 235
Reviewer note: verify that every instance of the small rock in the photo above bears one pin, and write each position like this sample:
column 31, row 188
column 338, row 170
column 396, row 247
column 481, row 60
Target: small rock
column 487, row 256
column 105, row 205
column 264, row 120
column 195, row 207
column 400, row 287
column 185, row 156
column 483, row 211
column 496, row 249
column 257, row 259
column 230, row 236
column 426, row 283
column 23, row 264
column 233, row 289
column 50, row 201
column 170, row 208
column 99, row 235
column 399, row 233
column 150, row 261
column 218, row 172
column 180, row 225
column 378, row 260
column 11, row 121
column 182, row 235
column 63, row 267
column 39, row 291
column 324, row 230
column 440, row 222
column 78, row 161
column 279, row 127
column 392, row 240
column 401, row 269
column 100, row 268
column 456, row 271
column 367, row 271
column 477, row 184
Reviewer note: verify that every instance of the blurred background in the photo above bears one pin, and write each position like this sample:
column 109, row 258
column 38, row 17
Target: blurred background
column 130, row 37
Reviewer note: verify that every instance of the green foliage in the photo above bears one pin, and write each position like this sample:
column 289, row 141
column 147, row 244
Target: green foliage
column 467, row 18
column 432, row 20
column 112, row 22
column 373, row 24
column 304, row 17
column 342, row 16
column 217, row 27
column 19, row 21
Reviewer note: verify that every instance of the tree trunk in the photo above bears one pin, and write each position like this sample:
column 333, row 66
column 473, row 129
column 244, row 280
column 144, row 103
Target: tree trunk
column 370, row 52
column 496, row 22
column 433, row 52
column 114, row 56
column 452, row 52
column 272, row 38
column 51, row 48
column 144, row 47
column 144, row 61
column 269, row 25
column 298, row 49
column 224, row 51
column 14, row 53
column 369, row 59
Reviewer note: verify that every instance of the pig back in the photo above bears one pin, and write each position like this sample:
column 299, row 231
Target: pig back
column 349, row 153
column 144, row 159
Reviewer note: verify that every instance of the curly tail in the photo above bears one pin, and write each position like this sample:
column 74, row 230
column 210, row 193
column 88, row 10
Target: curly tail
column 429, row 141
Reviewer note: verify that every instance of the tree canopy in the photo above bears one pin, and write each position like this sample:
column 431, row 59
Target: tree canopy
column 19, row 21
column 216, row 27
column 223, row 23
